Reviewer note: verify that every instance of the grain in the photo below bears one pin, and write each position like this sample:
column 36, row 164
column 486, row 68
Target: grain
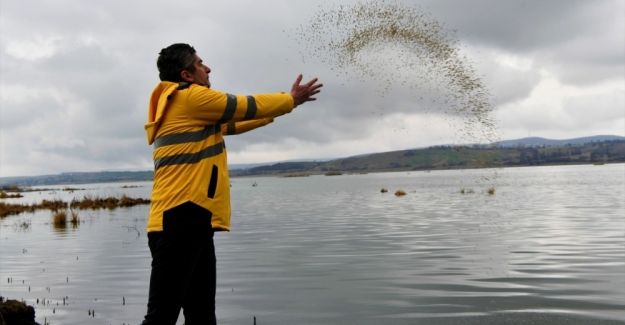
column 398, row 45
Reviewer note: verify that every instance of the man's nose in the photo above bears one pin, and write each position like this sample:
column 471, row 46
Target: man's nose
column 208, row 70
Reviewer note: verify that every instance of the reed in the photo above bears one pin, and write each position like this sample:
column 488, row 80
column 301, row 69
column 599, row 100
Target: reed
column 4, row 195
column 400, row 193
column 7, row 209
column 53, row 205
column 334, row 173
column 60, row 218
column 295, row 175
column 467, row 191
column 383, row 190
column 491, row 191
column 74, row 220
column 56, row 205
column 126, row 201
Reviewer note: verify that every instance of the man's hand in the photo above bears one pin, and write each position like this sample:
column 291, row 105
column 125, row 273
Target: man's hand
column 303, row 93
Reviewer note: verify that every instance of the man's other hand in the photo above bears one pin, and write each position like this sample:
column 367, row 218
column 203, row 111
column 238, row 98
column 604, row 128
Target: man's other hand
column 303, row 93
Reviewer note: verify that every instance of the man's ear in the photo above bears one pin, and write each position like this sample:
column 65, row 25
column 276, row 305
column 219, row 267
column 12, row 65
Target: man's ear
column 186, row 76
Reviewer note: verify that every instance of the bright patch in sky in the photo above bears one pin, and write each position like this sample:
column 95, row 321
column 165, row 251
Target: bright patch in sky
column 34, row 49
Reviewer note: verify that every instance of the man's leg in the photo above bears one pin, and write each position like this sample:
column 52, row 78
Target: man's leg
column 174, row 256
column 199, row 304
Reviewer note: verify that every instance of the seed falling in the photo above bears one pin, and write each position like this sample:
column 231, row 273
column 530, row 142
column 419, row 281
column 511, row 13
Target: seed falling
column 399, row 45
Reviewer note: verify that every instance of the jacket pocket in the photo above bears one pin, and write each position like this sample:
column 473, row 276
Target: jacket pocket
column 212, row 185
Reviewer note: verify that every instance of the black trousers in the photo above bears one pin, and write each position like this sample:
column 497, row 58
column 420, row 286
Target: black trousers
column 184, row 276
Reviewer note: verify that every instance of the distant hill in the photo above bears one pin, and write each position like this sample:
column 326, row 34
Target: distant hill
column 78, row 178
column 249, row 166
column 521, row 152
column 535, row 141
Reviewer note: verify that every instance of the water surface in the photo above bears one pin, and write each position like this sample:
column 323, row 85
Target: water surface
column 548, row 247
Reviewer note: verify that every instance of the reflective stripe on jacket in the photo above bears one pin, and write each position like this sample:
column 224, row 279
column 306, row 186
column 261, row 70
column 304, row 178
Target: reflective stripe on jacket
column 186, row 124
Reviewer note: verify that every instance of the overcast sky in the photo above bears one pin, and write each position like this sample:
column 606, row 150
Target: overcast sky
column 75, row 77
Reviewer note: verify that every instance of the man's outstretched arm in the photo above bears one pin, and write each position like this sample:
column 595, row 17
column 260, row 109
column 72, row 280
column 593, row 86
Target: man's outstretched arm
column 207, row 106
column 233, row 128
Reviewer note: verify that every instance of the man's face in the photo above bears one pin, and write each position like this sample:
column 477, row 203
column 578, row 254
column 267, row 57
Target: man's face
column 200, row 76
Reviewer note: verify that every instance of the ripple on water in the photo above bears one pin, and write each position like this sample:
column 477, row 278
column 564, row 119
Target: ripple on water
column 321, row 250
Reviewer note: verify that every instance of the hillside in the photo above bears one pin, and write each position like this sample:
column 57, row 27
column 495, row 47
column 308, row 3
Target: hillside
column 536, row 141
column 522, row 153
column 448, row 157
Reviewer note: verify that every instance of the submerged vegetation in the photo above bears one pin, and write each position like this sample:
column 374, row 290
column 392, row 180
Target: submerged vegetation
column 4, row 195
column 88, row 202
column 74, row 220
column 296, row 175
column 111, row 202
column 467, row 191
column 60, row 219
column 16, row 189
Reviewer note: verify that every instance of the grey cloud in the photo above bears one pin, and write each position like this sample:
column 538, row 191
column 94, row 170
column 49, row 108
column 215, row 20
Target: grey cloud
column 596, row 110
column 516, row 25
column 106, row 53
column 86, row 60
column 567, row 35
column 16, row 114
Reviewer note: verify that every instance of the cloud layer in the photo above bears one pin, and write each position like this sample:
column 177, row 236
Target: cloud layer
column 75, row 78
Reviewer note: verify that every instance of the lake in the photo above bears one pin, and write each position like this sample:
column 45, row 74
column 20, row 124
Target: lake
column 547, row 248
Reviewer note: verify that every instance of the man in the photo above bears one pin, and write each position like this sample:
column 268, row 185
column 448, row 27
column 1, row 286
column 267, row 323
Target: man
column 191, row 194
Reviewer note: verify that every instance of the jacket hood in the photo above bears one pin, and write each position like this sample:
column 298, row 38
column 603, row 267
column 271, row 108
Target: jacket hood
column 158, row 105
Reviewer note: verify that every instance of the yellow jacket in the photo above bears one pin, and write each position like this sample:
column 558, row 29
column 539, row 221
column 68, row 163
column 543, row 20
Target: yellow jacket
column 186, row 124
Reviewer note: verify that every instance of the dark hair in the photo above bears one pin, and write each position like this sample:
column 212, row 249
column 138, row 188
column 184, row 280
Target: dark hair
column 174, row 59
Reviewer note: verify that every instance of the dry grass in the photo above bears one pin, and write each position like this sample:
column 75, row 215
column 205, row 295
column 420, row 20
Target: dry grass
column 54, row 205
column 15, row 188
column 4, row 195
column 296, row 175
column 130, row 186
column 7, row 209
column 74, row 220
column 383, row 190
column 96, row 202
column 334, row 173
column 60, row 218
column 400, row 193
column 127, row 201
column 88, row 202
column 467, row 191
column 491, row 191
